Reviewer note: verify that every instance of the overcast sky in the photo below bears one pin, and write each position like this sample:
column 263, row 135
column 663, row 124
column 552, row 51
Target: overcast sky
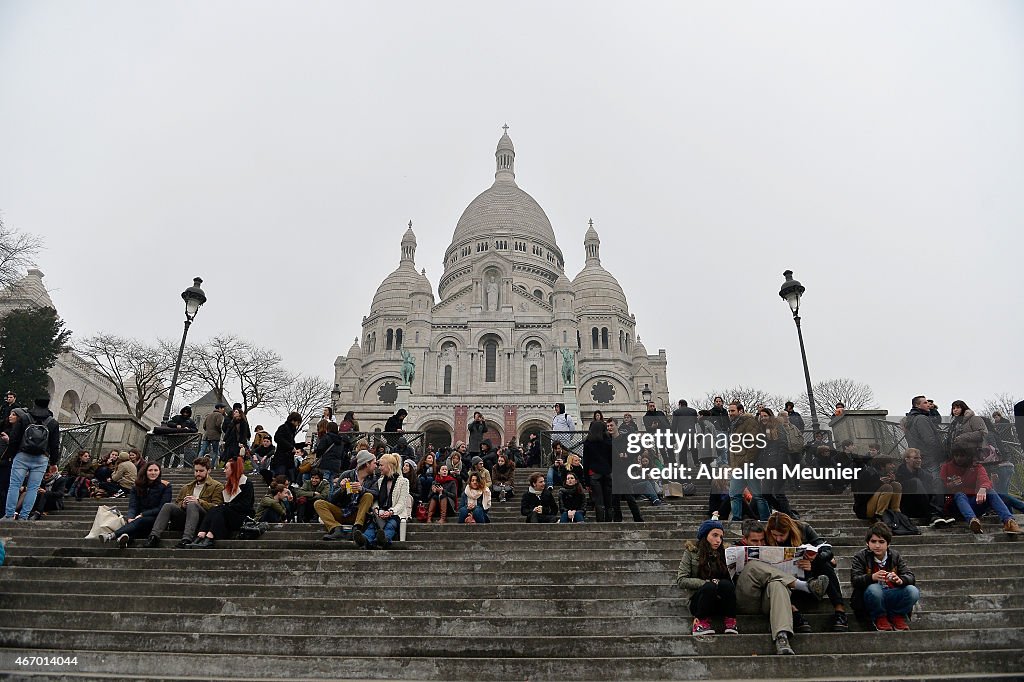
column 279, row 149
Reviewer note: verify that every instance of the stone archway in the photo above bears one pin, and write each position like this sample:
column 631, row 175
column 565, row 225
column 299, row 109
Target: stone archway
column 437, row 433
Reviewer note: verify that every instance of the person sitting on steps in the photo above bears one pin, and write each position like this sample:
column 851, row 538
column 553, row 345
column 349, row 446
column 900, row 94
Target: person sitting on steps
column 271, row 508
column 353, row 500
column 503, row 477
column 194, row 500
column 316, row 488
column 392, row 504
column 225, row 519
column 968, row 485
column 476, row 500
column 704, row 574
column 883, row 585
column 148, row 496
column 443, row 496
column 572, row 500
column 538, row 504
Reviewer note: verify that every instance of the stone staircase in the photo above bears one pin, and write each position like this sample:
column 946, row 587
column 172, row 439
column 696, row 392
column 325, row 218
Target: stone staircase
column 497, row 602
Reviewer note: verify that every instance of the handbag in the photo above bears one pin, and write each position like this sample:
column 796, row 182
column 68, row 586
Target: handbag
column 421, row 512
column 307, row 464
column 252, row 529
column 108, row 520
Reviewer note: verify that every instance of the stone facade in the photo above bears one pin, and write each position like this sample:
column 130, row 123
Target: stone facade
column 78, row 394
column 491, row 340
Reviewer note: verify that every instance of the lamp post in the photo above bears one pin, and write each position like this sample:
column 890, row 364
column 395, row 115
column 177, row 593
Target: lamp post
column 194, row 298
column 791, row 292
column 646, row 393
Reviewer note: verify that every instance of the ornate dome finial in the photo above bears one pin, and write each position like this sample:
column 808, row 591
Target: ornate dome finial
column 592, row 244
column 409, row 244
column 505, row 158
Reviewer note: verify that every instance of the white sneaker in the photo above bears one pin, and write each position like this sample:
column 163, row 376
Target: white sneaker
column 105, row 537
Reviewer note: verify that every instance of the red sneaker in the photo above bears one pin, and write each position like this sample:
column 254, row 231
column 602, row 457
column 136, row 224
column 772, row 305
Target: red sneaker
column 899, row 622
column 882, row 623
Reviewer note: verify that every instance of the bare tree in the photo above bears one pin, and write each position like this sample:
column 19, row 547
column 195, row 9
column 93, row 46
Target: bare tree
column 308, row 396
column 855, row 395
column 17, row 254
column 750, row 397
column 209, row 365
column 1002, row 403
column 139, row 372
column 262, row 381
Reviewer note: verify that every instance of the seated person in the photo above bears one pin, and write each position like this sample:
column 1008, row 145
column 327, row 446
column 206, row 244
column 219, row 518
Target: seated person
column 784, row 531
column 409, row 471
column 271, row 508
column 226, row 518
column 78, row 474
column 443, row 495
column 876, row 490
column 50, row 496
column 195, row 499
column 572, row 500
column 556, row 472
column 104, row 470
column 477, row 467
column 883, row 585
column 487, row 454
column 389, row 508
column 476, row 499
column 503, row 477
column 704, row 575
column 923, row 496
column 649, row 488
column 538, row 504
column 426, row 470
column 316, row 488
column 148, row 496
column 761, row 588
column 968, row 486
column 122, row 478
column 824, row 457
column 354, row 498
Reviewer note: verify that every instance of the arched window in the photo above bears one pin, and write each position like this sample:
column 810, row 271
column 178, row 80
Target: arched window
column 491, row 361
column 447, row 379
column 627, row 343
column 389, row 339
column 398, row 339
column 533, row 379
column 593, row 338
column 604, row 337
column 537, row 293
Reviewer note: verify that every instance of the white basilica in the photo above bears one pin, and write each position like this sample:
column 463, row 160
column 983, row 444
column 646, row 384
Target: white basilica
column 492, row 338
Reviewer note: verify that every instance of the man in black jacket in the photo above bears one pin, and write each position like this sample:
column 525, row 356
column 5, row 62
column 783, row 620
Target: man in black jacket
column 5, row 408
column 35, row 439
column 393, row 427
column 684, row 421
column 357, row 490
column 794, row 417
column 923, row 433
column 538, row 505
column 923, row 493
column 720, row 415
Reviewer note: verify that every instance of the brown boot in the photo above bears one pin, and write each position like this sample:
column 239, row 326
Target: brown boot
column 1011, row 527
column 431, row 508
column 444, row 510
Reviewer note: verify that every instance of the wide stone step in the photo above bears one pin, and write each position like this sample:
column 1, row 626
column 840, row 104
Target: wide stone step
column 529, row 646
column 931, row 661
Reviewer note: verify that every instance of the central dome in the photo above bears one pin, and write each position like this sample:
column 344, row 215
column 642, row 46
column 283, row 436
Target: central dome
column 503, row 209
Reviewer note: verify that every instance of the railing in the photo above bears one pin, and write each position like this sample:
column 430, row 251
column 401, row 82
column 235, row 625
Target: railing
column 572, row 441
column 75, row 437
column 173, row 449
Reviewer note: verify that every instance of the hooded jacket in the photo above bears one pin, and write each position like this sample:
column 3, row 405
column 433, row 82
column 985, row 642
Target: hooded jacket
column 968, row 430
column 125, row 472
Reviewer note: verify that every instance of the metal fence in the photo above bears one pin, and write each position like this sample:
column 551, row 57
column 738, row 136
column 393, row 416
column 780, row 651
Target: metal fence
column 75, row 437
column 172, row 450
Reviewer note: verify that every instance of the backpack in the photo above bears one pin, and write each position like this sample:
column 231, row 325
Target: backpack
column 899, row 524
column 36, row 438
column 794, row 440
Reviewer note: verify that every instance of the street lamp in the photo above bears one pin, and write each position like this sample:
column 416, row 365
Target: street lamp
column 646, row 393
column 791, row 292
column 194, row 298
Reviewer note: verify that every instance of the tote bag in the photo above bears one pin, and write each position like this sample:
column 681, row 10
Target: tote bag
column 108, row 520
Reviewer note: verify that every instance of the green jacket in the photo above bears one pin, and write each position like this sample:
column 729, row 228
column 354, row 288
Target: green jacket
column 321, row 492
column 210, row 496
column 687, row 575
column 268, row 502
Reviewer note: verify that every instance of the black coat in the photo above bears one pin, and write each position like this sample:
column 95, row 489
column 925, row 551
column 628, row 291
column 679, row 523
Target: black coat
column 546, row 499
column 284, row 437
column 235, row 434
column 597, row 456
column 393, row 424
column 150, row 502
column 242, row 505
column 684, row 420
column 569, row 498
column 332, row 453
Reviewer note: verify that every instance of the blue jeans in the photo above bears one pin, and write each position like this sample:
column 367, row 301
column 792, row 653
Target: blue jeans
column 577, row 517
column 25, row 467
column 736, row 486
column 328, row 476
column 479, row 515
column 214, row 447
column 390, row 530
column 969, row 507
column 892, row 600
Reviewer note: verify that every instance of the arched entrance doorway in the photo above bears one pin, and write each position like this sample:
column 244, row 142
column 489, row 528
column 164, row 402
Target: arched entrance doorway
column 436, row 433
column 493, row 434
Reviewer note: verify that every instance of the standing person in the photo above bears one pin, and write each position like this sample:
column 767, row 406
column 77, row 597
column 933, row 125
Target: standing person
column 476, row 429
column 719, row 415
column 704, row 575
column 774, row 457
column 597, row 462
column 393, row 427
column 620, row 462
column 35, row 439
column 187, row 512
column 684, row 424
column 7, row 406
column 331, row 452
column 8, row 449
column 965, row 428
column 794, row 417
column 213, row 430
column 655, row 420
column 883, row 585
column 532, row 451
column 628, row 425
column 562, row 425
column 923, row 434
column 742, row 424
column 225, row 519
column 283, row 461
column 236, row 434
column 148, row 496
